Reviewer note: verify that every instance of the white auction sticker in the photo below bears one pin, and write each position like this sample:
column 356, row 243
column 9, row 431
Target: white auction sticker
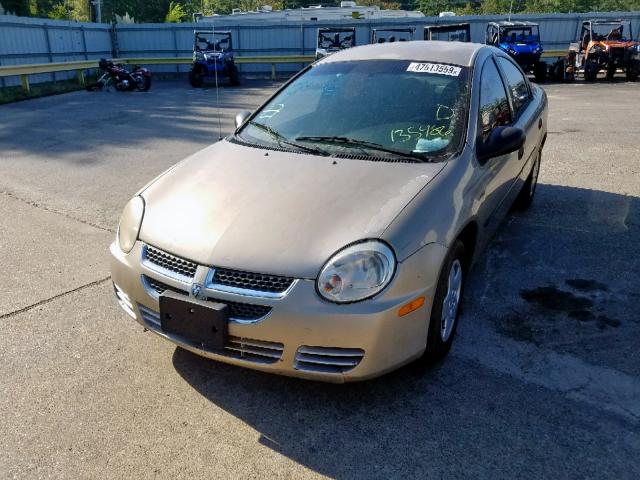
column 438, row 68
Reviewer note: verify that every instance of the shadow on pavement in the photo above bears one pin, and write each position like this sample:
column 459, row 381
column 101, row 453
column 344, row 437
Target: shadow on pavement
column 460, row 418
column 81, row 121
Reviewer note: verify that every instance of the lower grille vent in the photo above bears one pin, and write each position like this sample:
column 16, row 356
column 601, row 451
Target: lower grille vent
column 256, row 351
column 327, row 360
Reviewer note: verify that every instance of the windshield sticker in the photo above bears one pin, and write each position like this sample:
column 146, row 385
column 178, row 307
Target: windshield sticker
column 438, row 68
column 272, row 112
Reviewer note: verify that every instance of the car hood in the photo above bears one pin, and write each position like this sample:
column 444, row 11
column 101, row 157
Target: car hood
column 274, row 212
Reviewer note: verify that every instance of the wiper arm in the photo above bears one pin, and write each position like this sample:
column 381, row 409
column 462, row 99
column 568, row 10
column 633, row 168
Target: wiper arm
column 360, row 143
column 281, row 139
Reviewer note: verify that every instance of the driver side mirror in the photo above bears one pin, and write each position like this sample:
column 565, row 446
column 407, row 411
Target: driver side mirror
column 242, row 117
column 501, row 141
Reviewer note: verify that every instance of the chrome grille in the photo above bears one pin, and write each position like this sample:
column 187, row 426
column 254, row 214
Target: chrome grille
column 160, row 287
column 168, row 262
column 259, row 282
column 256, row 351
column 237, row 311
column 327, row 360
column 243, row 311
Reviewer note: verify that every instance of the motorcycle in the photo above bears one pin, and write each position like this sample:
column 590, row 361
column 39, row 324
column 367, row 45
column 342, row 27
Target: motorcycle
column 138, row 79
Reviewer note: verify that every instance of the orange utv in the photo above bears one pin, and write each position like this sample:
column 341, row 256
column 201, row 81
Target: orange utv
column 607, row 45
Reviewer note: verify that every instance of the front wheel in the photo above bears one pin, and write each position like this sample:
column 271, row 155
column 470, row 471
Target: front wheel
column 195, row 79
column 590, row 71
column 540, row 72
column 446, row 305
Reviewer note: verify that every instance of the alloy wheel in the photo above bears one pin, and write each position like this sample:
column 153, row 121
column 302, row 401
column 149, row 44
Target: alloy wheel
column 451, row 301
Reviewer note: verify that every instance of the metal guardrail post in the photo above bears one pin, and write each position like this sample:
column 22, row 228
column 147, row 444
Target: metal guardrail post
column 48, row 42
column 24, row 80
column 273, row 71
column 80, row 74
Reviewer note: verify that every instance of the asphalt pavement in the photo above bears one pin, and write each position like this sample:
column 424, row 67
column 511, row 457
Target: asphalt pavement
column 543, row 380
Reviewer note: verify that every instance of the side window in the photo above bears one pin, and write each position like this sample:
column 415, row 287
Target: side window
column 494, row 106
column 518, row 84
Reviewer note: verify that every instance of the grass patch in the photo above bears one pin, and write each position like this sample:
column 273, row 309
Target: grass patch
column 15, row 94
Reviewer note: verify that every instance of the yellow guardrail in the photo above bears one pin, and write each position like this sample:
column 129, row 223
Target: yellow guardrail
column 23, row 71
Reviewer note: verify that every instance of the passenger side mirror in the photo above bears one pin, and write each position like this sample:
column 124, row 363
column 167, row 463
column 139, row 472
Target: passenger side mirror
column 501, row 141
column 242, row 117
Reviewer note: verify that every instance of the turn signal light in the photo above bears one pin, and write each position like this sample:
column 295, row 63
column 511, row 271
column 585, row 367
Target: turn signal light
column 411, row 306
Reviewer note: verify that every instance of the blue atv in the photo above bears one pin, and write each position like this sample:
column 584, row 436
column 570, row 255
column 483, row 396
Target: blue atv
column 521, row 40
column 212, row 55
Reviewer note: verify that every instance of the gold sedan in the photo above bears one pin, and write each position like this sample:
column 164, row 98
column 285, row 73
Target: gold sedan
column 330, row 235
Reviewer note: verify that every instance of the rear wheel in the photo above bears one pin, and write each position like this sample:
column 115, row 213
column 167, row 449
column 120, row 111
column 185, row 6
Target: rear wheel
column 633, row 70
column 525, row 197
column 143, row 83
column 611, row 72
column 234, row 75
column 446, row 305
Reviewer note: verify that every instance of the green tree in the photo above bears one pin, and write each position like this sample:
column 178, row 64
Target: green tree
column 17, row 7
column 175, row 14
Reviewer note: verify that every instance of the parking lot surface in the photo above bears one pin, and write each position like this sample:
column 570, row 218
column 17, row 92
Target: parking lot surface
column 543, row 380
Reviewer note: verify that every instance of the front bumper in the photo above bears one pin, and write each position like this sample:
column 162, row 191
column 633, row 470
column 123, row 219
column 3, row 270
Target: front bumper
column 301, row 325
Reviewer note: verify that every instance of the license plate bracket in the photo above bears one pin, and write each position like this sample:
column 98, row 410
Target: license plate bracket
column 204, row 323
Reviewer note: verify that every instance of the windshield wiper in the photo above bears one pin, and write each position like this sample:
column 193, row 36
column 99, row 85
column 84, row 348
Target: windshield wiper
column 362, row 144
column 281, row 139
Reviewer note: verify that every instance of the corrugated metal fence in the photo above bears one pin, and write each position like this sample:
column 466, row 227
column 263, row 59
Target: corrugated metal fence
column 30, row 40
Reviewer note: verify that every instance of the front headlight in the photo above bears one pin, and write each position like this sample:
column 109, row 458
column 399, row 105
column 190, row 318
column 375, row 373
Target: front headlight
column 357, row 272
column 130, row 222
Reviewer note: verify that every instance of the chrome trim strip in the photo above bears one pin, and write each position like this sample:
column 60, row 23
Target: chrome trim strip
column 156, row 296
column 245, row 292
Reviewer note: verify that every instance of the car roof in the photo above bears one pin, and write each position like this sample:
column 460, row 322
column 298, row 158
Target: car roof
column 457, row 53
column 606, row 20
column 505, row 23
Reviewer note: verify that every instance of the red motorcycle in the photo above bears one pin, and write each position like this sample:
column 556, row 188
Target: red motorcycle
column 138, row 79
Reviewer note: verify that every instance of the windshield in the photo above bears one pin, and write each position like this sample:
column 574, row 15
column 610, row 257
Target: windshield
column 457, row 35
column 402, row 107
column 335, row 40
column 610, row 31
column 520, row 34
column 211, row 42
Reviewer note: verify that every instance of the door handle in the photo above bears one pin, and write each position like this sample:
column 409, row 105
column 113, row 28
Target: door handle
column 539, row 123
column 520, row 153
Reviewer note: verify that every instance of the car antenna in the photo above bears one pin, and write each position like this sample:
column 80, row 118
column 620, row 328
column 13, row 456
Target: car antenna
column 213, row 31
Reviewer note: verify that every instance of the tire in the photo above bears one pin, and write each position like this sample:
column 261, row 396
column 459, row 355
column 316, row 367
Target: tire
column 95, row 87
column 234, row 75
column 633, row 70
column 540, row 72
column 590, row 71
column 525, row 197
column 195, row 79
column 143, row 83
column 446, row 305
column 611, row 72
